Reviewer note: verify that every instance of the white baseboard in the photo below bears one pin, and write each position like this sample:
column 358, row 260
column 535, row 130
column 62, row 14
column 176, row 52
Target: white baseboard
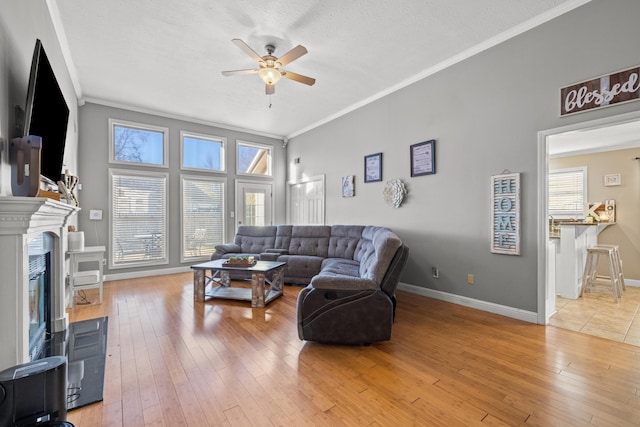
column 515, row 313
column 146, row 273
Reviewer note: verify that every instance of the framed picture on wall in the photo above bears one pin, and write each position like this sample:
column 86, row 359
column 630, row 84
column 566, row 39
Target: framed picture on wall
column 423, row 158
column 611, row 180
column 373, row 167
column 348, row 189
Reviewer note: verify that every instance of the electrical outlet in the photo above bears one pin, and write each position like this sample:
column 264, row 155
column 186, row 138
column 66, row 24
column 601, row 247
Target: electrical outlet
column 95, row 214
column 435, row 273
column 470, row 279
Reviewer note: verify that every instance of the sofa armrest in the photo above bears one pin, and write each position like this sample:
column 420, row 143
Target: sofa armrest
column 227, row 248
column 343, row 283
column 272, row 254
column 269, row 256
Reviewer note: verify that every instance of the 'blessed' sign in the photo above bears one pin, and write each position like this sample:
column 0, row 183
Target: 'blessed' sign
column 611, row 89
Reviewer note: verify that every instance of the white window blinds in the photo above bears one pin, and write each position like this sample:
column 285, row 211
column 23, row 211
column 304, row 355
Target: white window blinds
column 138, row 218
column 567, row 192
column 202, row 216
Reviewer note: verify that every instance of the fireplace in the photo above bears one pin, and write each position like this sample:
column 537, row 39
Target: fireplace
column 31, row 230
column 40, row 250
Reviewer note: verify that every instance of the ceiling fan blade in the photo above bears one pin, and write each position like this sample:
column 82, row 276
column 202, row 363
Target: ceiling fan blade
column 292, row 55
column 245, row 47
column 298, row 77
column 239, row 72
column 270, row 89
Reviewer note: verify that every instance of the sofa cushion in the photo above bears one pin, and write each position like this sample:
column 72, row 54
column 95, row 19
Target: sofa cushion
column 344, row 240
column 254, row 240
column 301, row 267
column 375, row 252
column 345, row 267
column 283, row 236
column 312, row 240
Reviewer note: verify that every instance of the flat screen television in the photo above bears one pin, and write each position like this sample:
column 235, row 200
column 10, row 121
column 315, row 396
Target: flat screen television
column 46, row 114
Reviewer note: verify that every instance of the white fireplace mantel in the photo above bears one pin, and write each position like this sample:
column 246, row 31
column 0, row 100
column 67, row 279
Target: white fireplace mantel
column 21, row 220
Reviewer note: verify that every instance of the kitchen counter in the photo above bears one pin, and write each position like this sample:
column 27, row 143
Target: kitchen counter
column 575, row 237
column 601, row 226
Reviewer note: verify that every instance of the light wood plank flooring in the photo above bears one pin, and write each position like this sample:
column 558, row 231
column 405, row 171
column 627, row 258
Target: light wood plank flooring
column 171, row 362
column 595, row 313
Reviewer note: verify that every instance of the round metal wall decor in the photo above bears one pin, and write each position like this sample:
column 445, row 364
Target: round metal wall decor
column 393, row 193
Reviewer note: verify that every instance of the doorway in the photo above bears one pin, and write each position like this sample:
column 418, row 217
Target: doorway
column 306, row 201
column 612, row 133
column 254, row 203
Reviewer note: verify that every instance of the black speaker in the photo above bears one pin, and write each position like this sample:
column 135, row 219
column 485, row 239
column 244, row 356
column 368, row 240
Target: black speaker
column 34, row 393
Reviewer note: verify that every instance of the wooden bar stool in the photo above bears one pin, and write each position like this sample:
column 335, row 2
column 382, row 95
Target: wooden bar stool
column 590, row 276
column 616, row 253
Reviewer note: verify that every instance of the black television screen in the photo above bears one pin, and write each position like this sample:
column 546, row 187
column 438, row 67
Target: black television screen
column 46, row 114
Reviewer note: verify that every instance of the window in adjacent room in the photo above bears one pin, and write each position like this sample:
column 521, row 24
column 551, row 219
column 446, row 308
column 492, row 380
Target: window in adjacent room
column 567, row 192
column 254, row 159
column 203, row 219
column 202, row 152
column 138, row 143
column 138, row 233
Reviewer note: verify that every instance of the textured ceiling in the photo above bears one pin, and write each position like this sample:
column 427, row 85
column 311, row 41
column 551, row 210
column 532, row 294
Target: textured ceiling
column 167, row 56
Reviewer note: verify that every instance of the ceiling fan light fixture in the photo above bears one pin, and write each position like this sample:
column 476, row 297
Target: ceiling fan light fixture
column 270, row 75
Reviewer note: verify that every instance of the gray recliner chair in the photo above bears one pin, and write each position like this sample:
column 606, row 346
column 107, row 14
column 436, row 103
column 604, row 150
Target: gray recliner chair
column 344, row 315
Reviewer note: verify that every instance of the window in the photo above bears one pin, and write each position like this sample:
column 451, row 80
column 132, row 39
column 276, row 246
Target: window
column 253, row 159
column 138, row 218
column 202, row 152
column 567, row 192
column 255, row 207
column 202, row 216
column 137, row 143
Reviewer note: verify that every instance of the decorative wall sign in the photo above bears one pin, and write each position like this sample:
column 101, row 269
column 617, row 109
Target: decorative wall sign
column 373, row 167
column 616, row 88
column 602, row 211
column 612, row 180
column 348, row 189
column 505, row 214
column 423, row 156
column 394, row 192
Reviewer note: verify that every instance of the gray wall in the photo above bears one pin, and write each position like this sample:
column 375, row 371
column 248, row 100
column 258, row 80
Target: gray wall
column 94, row 172
column 21, row 23
column 484, row 114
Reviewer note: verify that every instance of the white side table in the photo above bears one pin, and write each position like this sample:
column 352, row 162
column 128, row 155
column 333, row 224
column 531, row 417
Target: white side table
column 80, row 280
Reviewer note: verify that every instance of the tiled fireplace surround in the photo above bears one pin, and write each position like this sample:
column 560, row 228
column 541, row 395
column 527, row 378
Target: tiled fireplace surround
column 21, row 220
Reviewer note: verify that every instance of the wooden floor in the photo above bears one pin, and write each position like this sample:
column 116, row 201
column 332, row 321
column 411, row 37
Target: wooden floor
column 171, row 362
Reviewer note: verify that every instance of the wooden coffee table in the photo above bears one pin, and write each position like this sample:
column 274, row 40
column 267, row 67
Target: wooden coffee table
column 270, row 273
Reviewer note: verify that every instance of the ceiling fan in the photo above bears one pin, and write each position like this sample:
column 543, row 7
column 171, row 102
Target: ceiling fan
column 270, row 70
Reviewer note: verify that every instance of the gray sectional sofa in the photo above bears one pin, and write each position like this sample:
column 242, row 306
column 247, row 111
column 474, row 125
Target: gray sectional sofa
column 351, row 273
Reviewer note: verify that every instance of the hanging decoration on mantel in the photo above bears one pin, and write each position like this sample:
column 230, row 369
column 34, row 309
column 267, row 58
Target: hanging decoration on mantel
column 394, row 192
column 505, row 213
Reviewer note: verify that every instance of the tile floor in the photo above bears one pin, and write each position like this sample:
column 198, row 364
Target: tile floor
column 595, row 313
